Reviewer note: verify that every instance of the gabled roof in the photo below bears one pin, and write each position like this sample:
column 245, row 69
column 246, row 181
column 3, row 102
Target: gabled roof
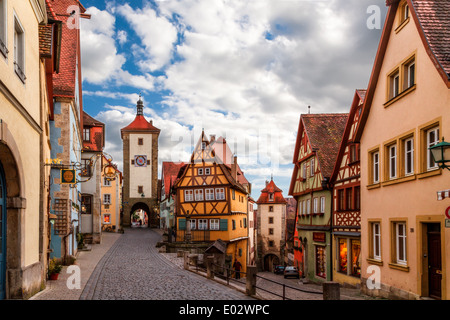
column 357, row 98
column 433, row 16
column 271, row 188
column 223, row 154
column 170, row 172
column 432, row 19
column 324, row 133
column 209, row 154
column 90, row 121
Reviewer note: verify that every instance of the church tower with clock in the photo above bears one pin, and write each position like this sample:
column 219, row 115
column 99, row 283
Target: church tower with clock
column 140, row 171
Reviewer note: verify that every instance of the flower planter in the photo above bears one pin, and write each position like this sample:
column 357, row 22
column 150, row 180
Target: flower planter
column 54, row 276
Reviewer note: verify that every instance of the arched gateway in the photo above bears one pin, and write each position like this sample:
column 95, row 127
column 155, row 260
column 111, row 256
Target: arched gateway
column 140, row 168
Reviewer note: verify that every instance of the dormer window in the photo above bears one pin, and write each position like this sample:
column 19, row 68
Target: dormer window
column 405, row 12
column 86, row 134
column 203, row 145
column 270, row 196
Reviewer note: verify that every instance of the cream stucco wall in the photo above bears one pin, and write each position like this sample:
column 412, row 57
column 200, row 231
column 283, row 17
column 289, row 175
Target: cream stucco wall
column 141, row 176
column 25, row 132
column 417, row 197
column 278, row 215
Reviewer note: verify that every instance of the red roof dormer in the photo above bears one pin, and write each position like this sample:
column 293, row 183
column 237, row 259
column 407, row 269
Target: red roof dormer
column 271, row 194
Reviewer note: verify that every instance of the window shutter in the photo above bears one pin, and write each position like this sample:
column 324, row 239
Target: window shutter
column 223, row 225
column 182, row 224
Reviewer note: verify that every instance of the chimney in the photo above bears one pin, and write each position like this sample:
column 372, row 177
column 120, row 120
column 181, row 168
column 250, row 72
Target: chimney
column 212, row 137
column 234, row 168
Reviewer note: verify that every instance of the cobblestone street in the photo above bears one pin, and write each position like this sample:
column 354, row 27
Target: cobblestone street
column 133, row 269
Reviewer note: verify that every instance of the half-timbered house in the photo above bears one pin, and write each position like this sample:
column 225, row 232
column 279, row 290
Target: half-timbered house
column 346, row 226
column 318, row 140
column 211, row 204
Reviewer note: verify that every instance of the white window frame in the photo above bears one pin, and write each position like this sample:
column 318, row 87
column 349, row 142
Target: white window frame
column 393, row 161
column 376, row 166
column 214, row 224
column 220, row 193
column 400, row 241
column 409, row 152
column 316, row 205
column 376, row 240
column 198, row 194
column 311, row 169
column 188, row 195
column 106, row 182
column 308, row 206
column 209, row 194
column 193, row 224
column 19, row 49
column 430, row 143
column 411, row 78
column 395, row 85
column 322, row 204
column 3, row 28
column 200, row 171
column 202, row 224
column 106, row 198
column 304, row 206
column 207, row 171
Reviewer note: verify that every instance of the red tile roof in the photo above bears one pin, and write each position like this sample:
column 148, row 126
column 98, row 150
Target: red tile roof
column 140, row 124
column 325, row 134
column 170, row 172
column 271, row 188
column 434, row 19
column 65, row 80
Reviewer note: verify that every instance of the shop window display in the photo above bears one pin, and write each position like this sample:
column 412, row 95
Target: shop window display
column 321, row 270
column 343, row 251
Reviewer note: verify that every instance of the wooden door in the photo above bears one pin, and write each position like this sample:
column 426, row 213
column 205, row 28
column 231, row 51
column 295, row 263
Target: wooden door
column 434, row 261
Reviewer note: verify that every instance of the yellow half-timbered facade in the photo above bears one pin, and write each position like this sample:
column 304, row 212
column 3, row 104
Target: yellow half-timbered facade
column 211, row 204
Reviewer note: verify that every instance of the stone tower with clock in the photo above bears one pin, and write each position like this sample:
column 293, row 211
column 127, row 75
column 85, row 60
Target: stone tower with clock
column 140, row 168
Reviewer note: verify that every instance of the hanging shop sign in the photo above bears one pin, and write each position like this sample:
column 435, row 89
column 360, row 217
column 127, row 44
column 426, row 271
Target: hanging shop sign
column 109, row 172
column 319, row 237
column 68, row 176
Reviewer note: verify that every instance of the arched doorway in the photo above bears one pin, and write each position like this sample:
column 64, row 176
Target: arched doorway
column 139, row 215
column 2, row 234
column 12, row 205
column 270, row 261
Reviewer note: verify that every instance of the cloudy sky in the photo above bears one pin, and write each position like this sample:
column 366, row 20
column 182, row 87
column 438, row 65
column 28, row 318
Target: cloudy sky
column 242, row 69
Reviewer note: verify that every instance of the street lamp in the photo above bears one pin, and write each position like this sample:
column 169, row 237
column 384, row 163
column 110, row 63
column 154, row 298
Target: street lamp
column 441, row 153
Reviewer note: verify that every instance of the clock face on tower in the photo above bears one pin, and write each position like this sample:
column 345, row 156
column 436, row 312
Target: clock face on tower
column 140, row 161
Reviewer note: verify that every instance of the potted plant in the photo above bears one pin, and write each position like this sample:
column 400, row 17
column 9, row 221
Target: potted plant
column 54, row 268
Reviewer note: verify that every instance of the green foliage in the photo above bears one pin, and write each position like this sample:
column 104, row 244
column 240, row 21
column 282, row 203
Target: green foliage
column 54, row 266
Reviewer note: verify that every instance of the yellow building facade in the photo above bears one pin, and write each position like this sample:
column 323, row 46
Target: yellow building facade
column 111, row 193
column 211, row 204
column 405, row 241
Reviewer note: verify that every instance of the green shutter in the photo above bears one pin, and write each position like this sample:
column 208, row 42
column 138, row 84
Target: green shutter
column 223, row 225
column 182, row 224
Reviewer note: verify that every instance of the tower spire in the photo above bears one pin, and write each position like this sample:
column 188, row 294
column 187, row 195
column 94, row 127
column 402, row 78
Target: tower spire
column 140, row 106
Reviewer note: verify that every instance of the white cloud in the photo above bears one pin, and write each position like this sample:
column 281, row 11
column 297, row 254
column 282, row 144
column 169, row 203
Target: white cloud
column 245, row 69
column 157, row 34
